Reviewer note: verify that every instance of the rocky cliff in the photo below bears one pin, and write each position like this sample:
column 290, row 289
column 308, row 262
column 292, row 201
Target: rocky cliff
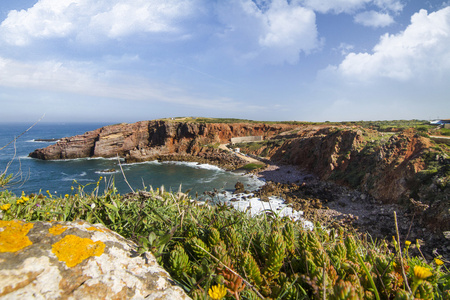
column 161, row 140
column 404, row 168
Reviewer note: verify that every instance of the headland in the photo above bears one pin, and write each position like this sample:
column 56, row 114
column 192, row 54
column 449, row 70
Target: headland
column 354, row 174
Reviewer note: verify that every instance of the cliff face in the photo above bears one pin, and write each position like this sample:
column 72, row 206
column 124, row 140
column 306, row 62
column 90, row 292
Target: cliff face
column 403, row 168
column 383, row 166
column 149, row 140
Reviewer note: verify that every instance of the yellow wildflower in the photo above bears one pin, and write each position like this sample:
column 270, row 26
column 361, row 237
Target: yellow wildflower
column 422, row 272
column 66, row 195
column 394, row 241
column 25, row 199
column 5, row 207
column 217, row 292
column 438, row 262
column 407, row 243
column 19, row 201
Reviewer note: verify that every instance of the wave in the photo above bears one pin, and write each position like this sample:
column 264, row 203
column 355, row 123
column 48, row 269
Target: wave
column 107, row 172
column 77, row 177
column 195, row 165
column 43, row 141
column 254, row 206
column 82, row 159
column 25, row 157
column 191, row 164
column 149, row 162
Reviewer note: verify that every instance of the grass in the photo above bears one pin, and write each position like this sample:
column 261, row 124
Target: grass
column 204, row 246
column 444, row 131
column 253, row 166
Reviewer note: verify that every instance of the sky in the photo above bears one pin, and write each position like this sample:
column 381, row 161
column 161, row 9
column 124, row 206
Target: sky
column 278, row 60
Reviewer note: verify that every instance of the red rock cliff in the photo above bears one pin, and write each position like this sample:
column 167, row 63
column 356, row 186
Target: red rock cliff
column 149, row 140
column 403, row 168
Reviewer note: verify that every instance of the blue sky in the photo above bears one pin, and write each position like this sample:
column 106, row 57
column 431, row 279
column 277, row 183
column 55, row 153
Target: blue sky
column 307, row 60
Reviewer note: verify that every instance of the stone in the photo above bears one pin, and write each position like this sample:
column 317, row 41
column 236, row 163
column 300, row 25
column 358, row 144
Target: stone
column 239, row 187
column 77, row 260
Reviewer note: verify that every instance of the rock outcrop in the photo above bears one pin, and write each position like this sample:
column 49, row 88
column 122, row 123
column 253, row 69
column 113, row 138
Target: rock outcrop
column 77, row 260
column 159, row 140
column 402, row 168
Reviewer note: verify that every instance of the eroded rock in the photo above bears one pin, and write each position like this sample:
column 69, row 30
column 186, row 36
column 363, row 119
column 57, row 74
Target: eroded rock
column 77, row 260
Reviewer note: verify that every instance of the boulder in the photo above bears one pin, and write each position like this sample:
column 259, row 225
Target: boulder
column 77, row 260
column 239, row 187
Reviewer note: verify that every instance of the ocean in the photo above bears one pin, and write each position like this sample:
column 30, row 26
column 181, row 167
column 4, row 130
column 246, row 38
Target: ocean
column 58, row 177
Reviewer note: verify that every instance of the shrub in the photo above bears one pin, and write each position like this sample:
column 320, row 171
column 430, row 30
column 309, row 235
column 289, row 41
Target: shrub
column 205, row 246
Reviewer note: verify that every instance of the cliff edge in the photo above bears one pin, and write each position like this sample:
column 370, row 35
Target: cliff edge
column 160, row 140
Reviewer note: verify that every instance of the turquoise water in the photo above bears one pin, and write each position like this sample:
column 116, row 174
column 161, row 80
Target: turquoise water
column 59, row 176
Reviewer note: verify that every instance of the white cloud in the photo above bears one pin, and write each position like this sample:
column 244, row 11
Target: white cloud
column 84, row 79
column 421, row 51
column 392, row 5
column 350, row 6
column 113, row 18
column 276, row 34
column 344, row 48
column 373, row 19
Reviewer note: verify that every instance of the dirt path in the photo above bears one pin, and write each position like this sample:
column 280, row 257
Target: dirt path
column 240, row 155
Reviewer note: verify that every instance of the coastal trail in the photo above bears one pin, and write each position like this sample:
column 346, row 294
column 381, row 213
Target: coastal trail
column 250, row 160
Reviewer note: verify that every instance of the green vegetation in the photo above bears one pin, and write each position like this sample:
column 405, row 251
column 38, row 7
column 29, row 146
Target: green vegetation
column 253, row 166
column 444, row 131
column 214, row 251
column 253, row 146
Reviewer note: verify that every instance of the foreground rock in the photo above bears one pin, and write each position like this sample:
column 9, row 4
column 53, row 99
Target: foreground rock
column 64, row 260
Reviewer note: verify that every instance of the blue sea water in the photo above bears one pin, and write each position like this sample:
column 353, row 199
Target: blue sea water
column 59, row 176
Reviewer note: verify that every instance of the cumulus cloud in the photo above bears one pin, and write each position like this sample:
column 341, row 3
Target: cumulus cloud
column 113, row 18
column 421, row 50
column 373, row 19
column 274, row 32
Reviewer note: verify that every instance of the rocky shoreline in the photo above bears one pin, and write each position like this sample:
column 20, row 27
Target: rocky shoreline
column 361, row 176
column 327, row 203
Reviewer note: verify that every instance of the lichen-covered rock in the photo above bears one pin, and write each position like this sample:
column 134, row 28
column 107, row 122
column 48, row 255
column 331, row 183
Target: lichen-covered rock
column 77, row 260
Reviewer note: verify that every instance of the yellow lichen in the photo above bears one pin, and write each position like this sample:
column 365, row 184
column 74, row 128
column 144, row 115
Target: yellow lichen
column 13, row 235
column 73, row 249
column 57, row 229
column 92, row 228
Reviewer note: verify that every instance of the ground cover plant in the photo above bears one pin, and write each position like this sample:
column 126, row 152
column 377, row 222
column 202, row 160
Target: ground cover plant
column 216, row 252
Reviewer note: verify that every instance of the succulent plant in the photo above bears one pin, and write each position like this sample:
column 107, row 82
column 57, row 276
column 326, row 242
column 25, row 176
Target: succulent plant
column 276, row 252
column 251, row 268
column 179, row 262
